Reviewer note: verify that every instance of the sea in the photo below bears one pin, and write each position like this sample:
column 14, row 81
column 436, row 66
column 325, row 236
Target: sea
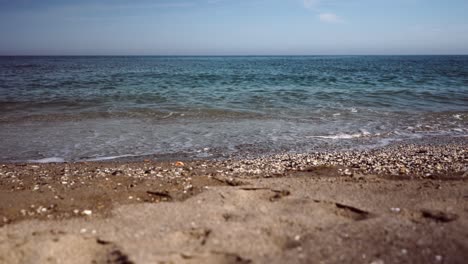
column 66, row 109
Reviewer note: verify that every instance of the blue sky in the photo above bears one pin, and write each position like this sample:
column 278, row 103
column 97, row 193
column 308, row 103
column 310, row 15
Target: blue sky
column 233, row 27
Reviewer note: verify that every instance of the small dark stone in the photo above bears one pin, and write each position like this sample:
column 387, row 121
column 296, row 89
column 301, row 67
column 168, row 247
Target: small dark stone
column 117, row 172
column 439, row 216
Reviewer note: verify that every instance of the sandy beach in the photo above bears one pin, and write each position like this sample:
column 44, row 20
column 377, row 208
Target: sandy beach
column 224, row 132
column 398, row 204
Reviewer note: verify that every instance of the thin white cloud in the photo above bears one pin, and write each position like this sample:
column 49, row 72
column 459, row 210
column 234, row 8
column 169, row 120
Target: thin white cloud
column 311, row 4
column 326, row 17
column 330, row 18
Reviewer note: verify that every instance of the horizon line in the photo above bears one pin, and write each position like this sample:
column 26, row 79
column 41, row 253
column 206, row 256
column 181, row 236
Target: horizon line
column 223, row 55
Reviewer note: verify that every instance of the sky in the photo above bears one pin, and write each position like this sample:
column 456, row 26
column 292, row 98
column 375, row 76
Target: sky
column 233, row 27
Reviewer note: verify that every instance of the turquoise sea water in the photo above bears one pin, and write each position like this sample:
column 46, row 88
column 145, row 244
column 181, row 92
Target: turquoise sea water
column 86, row 108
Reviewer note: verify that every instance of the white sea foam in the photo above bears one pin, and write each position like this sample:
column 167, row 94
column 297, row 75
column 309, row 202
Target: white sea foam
column 339, row 136
column 111, row 157
column 169, row 115
column 363, row 133
column 48, row 160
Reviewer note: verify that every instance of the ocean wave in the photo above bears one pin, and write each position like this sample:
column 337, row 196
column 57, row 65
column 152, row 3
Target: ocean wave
column 111, row 106
column 48, row 160
column 362, row 133
column 104, row 158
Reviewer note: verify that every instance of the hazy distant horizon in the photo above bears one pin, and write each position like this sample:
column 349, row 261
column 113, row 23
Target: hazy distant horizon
column 221, row 55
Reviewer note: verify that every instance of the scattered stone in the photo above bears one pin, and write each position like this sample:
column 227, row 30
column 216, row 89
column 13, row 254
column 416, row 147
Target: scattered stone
column 439, row 216
column 87, row 212
column 161, row 194
column 347, row 172
column 179, row 164
column 117, row 172
column 278, row 194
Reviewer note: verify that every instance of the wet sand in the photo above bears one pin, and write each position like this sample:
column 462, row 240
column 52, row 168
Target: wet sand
column 399, row 204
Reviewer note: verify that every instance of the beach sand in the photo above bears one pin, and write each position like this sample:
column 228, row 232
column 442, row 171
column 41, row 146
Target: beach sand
column 399, row 204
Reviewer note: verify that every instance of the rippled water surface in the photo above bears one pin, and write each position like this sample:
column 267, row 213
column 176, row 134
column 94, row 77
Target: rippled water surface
column 81, row 108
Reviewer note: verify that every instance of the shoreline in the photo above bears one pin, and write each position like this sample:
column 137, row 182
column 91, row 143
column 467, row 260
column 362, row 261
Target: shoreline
column 258, row 152
column 296, row 207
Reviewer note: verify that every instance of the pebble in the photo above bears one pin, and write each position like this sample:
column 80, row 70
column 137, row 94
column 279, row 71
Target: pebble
column 87, row 212
column 179, row 164
column 398, row 160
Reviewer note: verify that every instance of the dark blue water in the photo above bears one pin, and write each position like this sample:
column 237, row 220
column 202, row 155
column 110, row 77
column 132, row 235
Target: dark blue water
column 80, row 108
